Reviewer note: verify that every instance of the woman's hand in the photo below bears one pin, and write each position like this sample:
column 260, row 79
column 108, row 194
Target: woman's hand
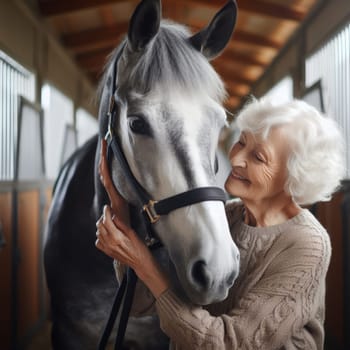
column 118, row 240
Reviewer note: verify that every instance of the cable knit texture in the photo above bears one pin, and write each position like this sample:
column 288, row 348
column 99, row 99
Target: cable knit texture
column 277, row 301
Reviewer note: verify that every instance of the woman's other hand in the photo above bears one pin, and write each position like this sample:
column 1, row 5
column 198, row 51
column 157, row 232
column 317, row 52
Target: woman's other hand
column 120, row 242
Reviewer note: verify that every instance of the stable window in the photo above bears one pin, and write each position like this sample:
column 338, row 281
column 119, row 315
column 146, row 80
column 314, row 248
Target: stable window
column 281, row 92
column 59, row 131
column 15, row 81
column 330, row 66
column 87, row 126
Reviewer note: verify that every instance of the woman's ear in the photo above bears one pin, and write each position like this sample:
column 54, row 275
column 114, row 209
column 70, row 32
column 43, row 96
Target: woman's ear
column 144, row 24
column 213, row 39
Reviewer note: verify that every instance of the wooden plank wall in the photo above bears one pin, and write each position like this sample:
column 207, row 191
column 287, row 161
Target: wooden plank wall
column 23, row 294
column 331, row 217
column 6, row 268
column 29, row 267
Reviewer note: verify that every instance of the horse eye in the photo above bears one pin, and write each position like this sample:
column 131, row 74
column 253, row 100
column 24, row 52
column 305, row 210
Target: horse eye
column 138, row 125
column 216, row 165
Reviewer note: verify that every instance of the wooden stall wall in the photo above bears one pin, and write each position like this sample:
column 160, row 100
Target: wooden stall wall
column 6, row 204
column 24, row 205
column 31, row 311
column 23, row 294
column 333, row 215
column 24, row 202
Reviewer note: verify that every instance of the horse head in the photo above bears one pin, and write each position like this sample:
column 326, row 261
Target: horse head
column 168, row 121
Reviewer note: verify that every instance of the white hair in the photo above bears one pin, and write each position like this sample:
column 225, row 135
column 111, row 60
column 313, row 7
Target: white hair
column 316, row 163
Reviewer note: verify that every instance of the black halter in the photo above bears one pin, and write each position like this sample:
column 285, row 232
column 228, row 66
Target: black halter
column 152, row 211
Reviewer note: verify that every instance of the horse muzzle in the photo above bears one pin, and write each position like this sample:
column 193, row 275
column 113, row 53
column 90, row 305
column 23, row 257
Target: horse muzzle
column 206, row 285
column 206, row 262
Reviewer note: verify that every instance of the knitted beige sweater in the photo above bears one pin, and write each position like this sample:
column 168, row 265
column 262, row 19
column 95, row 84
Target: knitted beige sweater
column 277, row 301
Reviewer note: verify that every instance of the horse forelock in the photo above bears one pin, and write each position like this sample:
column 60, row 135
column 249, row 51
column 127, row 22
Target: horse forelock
column 168, row 61
column 171, row 62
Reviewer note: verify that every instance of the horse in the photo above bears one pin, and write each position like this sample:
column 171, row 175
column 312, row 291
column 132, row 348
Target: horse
column 169, row 116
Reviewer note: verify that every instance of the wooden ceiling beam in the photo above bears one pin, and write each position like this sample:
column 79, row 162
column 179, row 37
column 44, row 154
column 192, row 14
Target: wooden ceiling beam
column 230, row 56
column 254, row 39
column 93, row 62
column 271, row 10
column 230, row 75
column 234, row 95
column 94, row 38
column 260, row 8
column 236, row 90
column 107, row 15
column 232, row 103
column 54, row 7
column 242, row 36
column 95, row 77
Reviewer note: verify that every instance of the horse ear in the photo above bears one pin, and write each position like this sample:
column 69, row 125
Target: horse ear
column 144, row 24
column 213, row 39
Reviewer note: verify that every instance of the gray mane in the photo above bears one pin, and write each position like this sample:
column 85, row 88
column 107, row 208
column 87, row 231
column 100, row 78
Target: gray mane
column 170, row 61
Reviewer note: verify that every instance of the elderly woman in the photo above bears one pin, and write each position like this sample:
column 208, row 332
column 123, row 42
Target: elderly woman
column 286, row 157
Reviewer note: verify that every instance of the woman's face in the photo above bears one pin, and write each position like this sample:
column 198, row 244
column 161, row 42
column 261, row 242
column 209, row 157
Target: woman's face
column 258, row 166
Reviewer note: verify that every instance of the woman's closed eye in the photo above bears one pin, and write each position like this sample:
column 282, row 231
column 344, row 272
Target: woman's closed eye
column 259, row 157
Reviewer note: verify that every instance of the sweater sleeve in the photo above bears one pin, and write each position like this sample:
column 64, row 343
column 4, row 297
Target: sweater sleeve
column 267, row 316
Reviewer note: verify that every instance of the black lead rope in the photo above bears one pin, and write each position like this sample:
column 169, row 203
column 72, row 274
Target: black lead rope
column 131, row 280
column 124, row 295
column 113, row 315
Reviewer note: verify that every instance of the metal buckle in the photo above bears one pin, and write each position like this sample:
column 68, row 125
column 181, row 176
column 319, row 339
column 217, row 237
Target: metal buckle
column 151, row 212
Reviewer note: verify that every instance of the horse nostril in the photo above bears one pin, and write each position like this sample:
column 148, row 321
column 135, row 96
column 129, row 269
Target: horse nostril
column 201, row 275
column 231, row 278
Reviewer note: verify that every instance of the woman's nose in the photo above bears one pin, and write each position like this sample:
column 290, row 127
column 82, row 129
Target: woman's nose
column 239, row 159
